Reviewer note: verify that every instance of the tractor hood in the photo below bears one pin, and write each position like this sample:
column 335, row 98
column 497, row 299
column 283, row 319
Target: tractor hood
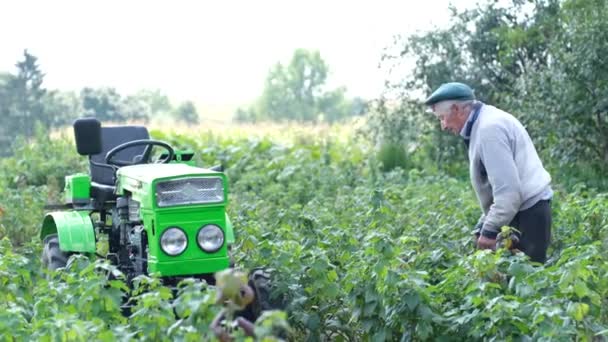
column 141, row 180
column 150, row 172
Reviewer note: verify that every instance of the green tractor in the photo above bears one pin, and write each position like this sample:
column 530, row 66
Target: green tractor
column 158, row 212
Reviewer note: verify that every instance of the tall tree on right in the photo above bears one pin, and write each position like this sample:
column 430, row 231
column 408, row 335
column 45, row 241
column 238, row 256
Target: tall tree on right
column 537, row 59
column 571, row 93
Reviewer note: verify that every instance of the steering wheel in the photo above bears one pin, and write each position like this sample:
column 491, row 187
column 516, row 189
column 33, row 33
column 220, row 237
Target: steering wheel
column 144, row 157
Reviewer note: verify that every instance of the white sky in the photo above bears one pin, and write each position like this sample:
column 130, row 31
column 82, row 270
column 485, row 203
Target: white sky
column 213, row 52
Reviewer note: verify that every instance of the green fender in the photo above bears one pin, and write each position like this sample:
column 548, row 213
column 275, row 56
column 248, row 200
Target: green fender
column 74, row 228
column 229, row 231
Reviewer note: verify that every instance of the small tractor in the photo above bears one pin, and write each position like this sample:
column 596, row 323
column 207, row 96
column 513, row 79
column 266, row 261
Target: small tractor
column 158, row 212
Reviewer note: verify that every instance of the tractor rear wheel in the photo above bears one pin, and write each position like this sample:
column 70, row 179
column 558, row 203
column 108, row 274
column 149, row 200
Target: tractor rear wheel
column 52, row 256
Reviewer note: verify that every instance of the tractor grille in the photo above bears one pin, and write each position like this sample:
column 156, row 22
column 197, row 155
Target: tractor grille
column 133, row 210
column 190, row 191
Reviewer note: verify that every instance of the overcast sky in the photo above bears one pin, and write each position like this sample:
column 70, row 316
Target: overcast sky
column 213, row 52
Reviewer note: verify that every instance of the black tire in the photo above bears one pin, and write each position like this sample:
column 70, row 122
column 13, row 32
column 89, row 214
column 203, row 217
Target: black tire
column 52, row 256
column 260, row 281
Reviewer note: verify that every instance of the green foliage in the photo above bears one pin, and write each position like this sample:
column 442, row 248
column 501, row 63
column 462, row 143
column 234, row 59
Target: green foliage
column 85, row 302
column 157, row 101
column 41, row 161
column 62, row 108
column 489, row 47
column 571, row 91
column 33, row 177
column 392, row 155
column 291, row 91
column 361, row 254
column 107, row 105
column 21, row 228
column 358, row 255
column 297, row 92
column 187, row 113
column 25, row 103
column 27, row 94
column 541, row 60
column 21, row 99
column 406, row 133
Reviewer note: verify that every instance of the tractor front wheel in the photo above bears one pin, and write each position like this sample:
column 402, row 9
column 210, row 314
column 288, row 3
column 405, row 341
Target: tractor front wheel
column 261, row 284
column 52, row 256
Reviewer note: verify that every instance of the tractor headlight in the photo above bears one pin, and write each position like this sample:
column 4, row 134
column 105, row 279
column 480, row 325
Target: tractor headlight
column 210, row 238
column 173, row 241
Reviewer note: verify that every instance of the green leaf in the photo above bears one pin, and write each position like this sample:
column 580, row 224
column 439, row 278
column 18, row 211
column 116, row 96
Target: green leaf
column 380, row 336
column 332, row 276
column 578, row 311
column 580, row 289
column 313, row 322
column 411, row 300
column 369, row 308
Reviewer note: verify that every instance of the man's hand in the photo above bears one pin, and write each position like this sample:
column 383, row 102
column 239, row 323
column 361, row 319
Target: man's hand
column 486, row 243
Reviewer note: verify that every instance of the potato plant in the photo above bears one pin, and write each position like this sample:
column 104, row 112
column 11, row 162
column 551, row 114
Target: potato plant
column 358, row 254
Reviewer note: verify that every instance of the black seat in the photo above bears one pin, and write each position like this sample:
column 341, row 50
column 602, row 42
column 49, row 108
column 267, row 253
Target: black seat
column 102, row 178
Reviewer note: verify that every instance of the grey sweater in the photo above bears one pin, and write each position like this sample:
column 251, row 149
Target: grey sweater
column 505, row 169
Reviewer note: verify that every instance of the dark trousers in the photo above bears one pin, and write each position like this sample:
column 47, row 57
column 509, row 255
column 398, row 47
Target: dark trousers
column 534, row 225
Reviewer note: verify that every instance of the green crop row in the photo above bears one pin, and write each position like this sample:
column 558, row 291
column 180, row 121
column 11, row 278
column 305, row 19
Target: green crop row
column 358, row 254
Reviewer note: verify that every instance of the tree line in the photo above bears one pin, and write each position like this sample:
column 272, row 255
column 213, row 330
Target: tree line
column 294, row 92
column 26, row 102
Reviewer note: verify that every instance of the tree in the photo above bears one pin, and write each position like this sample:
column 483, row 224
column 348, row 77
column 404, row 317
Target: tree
column 62, row 108
column 5, row 103
column 133, row 108
column 297, row 92
column 571, row 92
column 26, row 93
column 106, row 104
column 25, row 103
column 245, row 115
column 491, row 47
column 186, row 112
column 102, row 103
column 22, row 99
column 157, row 102
column 292, row 92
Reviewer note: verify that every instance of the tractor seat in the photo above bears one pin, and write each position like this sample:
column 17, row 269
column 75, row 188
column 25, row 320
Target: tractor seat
column 102, row 178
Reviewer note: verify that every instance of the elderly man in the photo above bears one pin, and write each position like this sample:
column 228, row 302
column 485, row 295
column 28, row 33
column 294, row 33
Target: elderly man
column 511, row 184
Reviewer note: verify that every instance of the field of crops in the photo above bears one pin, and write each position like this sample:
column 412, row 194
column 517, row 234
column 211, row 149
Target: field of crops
column 358, row 254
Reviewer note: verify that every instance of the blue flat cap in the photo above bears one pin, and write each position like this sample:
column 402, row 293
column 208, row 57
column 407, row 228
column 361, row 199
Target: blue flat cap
column 450, row 91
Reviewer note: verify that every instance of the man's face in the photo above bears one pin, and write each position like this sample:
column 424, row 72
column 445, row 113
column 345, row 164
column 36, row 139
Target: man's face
column 452, row 117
